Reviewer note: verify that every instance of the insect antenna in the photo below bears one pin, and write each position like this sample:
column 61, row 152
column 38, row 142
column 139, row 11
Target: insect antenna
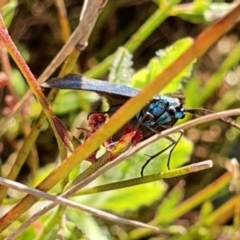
column 203, row 112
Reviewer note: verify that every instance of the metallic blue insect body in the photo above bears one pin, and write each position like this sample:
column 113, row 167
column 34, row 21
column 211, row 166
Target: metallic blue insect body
column 163, row 110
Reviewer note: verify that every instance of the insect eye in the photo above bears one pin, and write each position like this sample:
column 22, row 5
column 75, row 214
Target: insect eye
column 171, row 111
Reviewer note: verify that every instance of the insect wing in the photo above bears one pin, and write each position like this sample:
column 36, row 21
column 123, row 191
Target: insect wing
column 115, row 93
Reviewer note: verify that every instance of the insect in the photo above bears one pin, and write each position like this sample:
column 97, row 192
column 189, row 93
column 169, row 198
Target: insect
column 162, row 112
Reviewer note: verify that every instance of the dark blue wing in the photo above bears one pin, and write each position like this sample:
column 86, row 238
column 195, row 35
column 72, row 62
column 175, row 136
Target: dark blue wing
column 115, row 93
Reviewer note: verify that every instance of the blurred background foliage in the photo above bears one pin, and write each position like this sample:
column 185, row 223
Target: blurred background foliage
column 211, row 82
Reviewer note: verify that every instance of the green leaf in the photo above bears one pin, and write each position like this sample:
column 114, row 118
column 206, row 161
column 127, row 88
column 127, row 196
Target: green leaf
column 121, row 68
column 130, row 199
column 65, row 102
column 163, row 59
column 68, row 101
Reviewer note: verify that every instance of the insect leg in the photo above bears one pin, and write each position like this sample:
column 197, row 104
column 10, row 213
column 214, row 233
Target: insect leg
column 173, row 145
column 153, row 156
column 170, row 153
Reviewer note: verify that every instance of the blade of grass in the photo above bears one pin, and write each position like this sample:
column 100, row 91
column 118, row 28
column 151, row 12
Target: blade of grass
column 63, row 20
column 146, row 179
column 223, row 213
